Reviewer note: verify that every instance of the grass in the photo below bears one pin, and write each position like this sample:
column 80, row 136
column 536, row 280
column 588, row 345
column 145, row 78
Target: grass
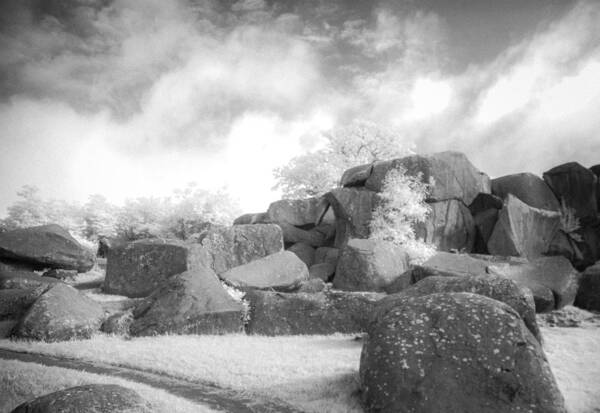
column 21, row 381
column 313, row 373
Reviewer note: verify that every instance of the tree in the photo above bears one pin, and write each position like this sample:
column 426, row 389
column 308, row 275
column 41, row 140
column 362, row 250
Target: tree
column 315, row 173
column 402, row 206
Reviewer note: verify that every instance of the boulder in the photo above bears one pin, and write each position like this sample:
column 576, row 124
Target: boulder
column 137, row 268
column 312, row 285
column 449, row 226
column 274, row 314
column 230, row 247
column 498, row 288
column 15, row 302
column 323, row 271
column 88, row 398
column 564, row 245
column 529, row 188
column 577, row 186
column 257, row 218
column 327, row 254
column 193, row 302
column 297, row 212
column 588, row 294
column 369, row 265
column 553, row 273
column 45, row 246
column 451, row 175
column 356, row 176
column 25, row 280
column 282, row 271
column 483, row 202
column 313, row 237
column 522, row 230
column 454, row 352
column 353, row 209
column 304, row 251
column 61, row 313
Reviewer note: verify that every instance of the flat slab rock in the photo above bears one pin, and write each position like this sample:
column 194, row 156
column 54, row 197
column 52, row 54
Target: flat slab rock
column 455, row 352
column 61, row 313
column 327, row 312
column 193, row 302
column 46, row 246
column 88, row 398
column 282, row 271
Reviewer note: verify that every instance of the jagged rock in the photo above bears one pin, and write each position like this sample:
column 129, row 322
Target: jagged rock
column 449, row 226
column 498, row 288
column 588, row 294
column 45, row 246
column 14, row 302
column 554, row 273
column 230, row 247
column 61, row 313
column 577, row 186
column 323, row 271
column 297, row 212
column 435, row 354
column 293, row 235
column 529, row 188
column 356, row 176
column 328, row 312
column 25, row 280
column 522, row 230
column 327, row 254
column 452, row 175
column 312, row 285
column 353, row 209
column 193, row 302
column 137, row 268
column 304, row 251
column 369, row 265
column 88, row 398
column 246, row 219
column 282, row 271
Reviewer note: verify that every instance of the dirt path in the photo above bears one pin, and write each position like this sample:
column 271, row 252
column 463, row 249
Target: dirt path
column 202, row 393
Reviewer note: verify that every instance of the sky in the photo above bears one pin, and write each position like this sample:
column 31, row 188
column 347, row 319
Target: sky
column 131, row 98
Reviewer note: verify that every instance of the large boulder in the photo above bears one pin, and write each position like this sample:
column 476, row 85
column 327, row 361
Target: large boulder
column 356, row 176
column 137, row 268
column 46, row 246
column 297, row 212
column 88, row 398
column 369, row 265
column 282, row 271
column 240, row 244
column 61, row 313
column 522, row 230
column 553, row 273
column 529, row 188
column 353, row 209
column 273, row 313
column 304, row 251
column 577, row 186
column 498, row 288
column 451, row 175
column 449, row 226
column 193, row 302
column 588, row 294
column 455, row 352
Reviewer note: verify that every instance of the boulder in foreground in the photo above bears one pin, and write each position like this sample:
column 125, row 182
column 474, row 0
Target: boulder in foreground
column 88, row 398
column 455, row 352
column 328, row 312
column 282, row 271
column 45, row 246
column 193, row 302
column 61, row 313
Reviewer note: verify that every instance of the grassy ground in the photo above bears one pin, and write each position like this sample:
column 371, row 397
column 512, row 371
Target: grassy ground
column 24, row 381
column 313, row 373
